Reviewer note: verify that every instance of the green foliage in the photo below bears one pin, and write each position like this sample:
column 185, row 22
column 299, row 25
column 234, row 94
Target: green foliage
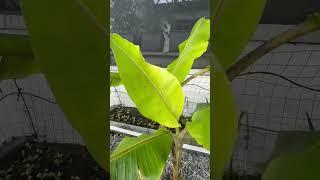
column 70, row 48
column 146, row 154
column 133, row 16
column 74, row 66
column 191, row 49
column 15, row 45
column 230, row 34
column 156, row 93
column 115, row 79
column 294, row 142
column 295, row 152
column 17, row 59
column 225, row 122
column 295, row 166
column 235, row 22
column 14, row 67
column 199, row 128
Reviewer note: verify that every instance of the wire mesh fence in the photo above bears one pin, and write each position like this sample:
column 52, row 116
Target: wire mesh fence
column 278, row 93
column 28, row 108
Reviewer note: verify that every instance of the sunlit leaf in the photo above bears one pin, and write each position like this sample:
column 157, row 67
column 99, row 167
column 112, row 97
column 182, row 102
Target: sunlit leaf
column 191, row 49
column 147, row 154
column 235, row 23
column 156, row 93
column 224, row 119
column 115, row 79
column 199, row 128
column 201, row 106
column 70, row 47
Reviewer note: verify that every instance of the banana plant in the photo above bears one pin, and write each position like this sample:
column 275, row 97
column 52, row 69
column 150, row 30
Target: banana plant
column 68, row 42
column 158, row 95
column 74, row 64
column 60, row 48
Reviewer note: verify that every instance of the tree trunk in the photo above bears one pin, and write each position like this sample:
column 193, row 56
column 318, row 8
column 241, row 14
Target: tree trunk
column 176, row 158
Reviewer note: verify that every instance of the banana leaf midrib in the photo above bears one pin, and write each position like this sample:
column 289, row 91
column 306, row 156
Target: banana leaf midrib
column 136, row 146
column 157, row 90
column 187, row 46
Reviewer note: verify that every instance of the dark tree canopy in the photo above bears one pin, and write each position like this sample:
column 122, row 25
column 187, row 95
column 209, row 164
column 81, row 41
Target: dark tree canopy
column 9, row 7
column 133, row 16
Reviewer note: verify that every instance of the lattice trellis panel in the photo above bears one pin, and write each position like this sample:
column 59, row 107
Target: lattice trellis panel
column 276, row 93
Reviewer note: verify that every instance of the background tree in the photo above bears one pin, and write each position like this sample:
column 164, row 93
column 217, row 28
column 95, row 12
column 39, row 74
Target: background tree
column 133, row 17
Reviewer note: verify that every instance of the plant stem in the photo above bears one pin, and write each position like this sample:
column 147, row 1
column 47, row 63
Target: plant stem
column 310, row 25
column 177, row 143
column 182, row 133
column 176, row 153
column 176, row 158
column 202, row 71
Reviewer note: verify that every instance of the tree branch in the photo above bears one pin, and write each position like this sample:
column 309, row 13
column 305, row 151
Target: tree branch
column 310, row 25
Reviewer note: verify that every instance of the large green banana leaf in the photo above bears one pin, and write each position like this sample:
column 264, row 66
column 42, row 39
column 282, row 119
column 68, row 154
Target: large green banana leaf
column 199, row 128
column 15, row 45
column 191, row 49
column 235, row 23
column 295, row 156
column 156, row 93
column 70, row 47
column 16, row 57
column 224, row 120
column 295, row 166
column 144, row 156
column 14, row 67
column 294, row 141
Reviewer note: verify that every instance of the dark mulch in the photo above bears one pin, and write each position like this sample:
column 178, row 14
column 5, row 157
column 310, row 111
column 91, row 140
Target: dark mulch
column 131, row 115
column 50, row 161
